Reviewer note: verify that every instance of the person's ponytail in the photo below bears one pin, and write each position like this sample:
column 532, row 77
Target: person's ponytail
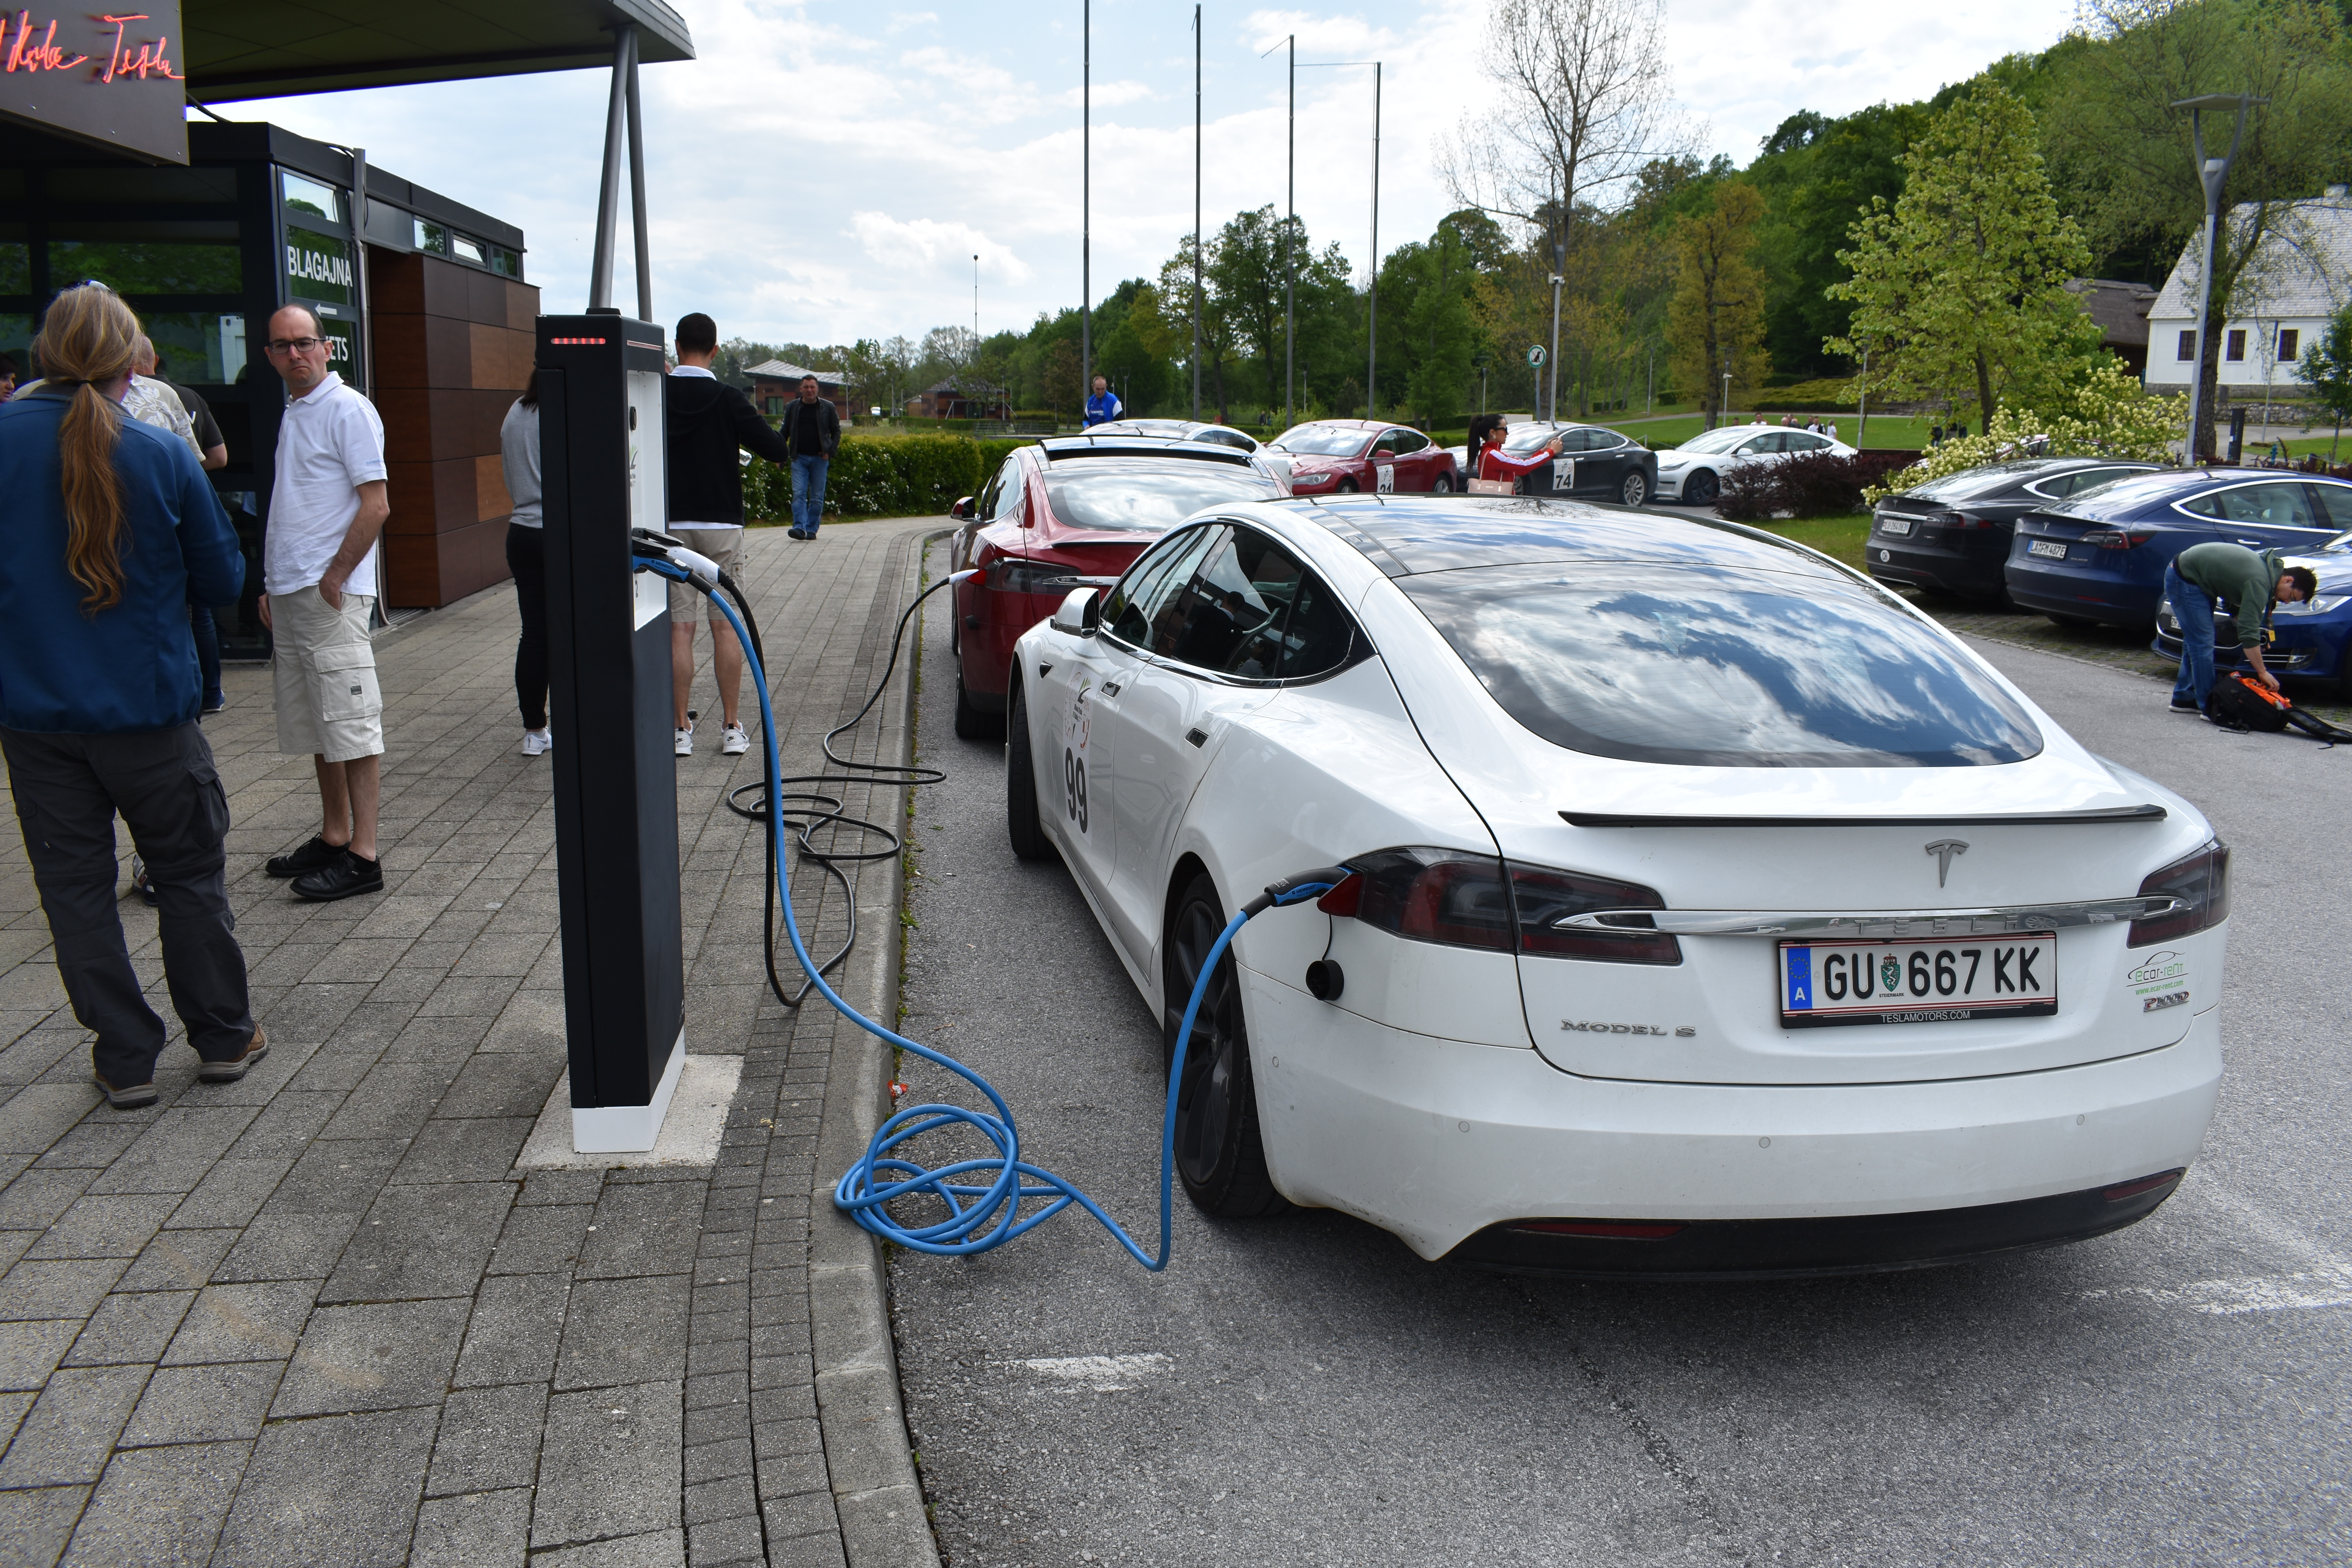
column 88, row 339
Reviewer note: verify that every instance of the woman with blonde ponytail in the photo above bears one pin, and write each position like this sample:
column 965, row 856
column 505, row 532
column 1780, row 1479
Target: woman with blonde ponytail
column 111, row 528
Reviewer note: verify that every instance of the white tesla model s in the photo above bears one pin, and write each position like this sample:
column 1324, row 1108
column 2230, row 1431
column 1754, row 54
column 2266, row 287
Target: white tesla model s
column 1712, row 911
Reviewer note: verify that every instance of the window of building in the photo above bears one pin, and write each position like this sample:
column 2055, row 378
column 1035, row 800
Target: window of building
column 2187, row 346
column 2290, row 345
column 504, row 262
column 433, row 237
column 306, row 196
column 467, row 251
column 2235, row 347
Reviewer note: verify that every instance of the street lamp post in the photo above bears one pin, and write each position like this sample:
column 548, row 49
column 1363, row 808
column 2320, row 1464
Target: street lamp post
column 1726, row 397
column 1196, row 213
column 1086, row 207
column 1289, row 238
column 1559, row 267
column 1372, row 324
column 2213, row 173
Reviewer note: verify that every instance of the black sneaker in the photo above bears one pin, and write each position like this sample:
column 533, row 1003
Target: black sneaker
column 133, row 1096
column 144, row 881
column 348, row 875
column 317, row 855
column 2185, row 705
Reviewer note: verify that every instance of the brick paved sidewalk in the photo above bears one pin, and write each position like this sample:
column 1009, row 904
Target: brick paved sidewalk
column 318, row 1315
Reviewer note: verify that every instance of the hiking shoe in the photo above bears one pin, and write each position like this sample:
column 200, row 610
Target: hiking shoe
column 134, row 1097
column 733, row 741
column 348, row 875
column 145, row 883
column 234, row 1067
column 215, row 703
column 538, row 743
column 2185, row 705
column 797, row 533
column 685, row 739
column 314, row 856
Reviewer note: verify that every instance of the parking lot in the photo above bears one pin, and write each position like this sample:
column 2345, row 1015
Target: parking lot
column 1305, row 1389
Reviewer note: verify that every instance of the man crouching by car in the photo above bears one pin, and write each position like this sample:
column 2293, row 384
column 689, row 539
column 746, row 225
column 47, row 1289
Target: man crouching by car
column 2252, row 584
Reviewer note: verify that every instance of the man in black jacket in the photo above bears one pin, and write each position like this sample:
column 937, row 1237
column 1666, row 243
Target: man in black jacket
column 811, row 429
column 707, row 421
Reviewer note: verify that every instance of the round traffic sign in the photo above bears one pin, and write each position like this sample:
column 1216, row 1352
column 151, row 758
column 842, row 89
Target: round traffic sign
column 1535, row 355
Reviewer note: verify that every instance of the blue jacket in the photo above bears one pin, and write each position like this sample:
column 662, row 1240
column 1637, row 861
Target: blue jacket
column 133, row 667
column 1102, row 407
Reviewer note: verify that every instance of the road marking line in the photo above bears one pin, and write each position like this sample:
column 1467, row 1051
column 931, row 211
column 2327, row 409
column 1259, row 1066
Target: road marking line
column 2248, row 1293
column 1100, row 1374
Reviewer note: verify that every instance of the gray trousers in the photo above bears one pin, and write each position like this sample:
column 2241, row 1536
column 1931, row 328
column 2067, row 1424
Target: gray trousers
column 68, row 789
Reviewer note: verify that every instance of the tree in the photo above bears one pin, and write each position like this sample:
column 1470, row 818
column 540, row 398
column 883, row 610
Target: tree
column 1959, row 288
column 2121, row 153
column 1715, row 321
column 2325, row 367
column 1816, row 176
column 1428, row 333
column 2101, row 412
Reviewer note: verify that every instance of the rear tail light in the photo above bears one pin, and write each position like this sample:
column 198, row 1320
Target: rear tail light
column 1545, row 897
column 1015, row 574
column 2118, row 1193
column 1458, row 899
column 1964, row 522
column 2117, row 537
column 2201, row 881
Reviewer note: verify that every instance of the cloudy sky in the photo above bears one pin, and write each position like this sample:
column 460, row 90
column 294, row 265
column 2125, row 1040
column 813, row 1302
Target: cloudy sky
column 826, row 173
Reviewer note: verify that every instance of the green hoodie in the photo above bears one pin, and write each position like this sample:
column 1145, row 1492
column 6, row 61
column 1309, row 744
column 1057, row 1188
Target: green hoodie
column 2247, row 581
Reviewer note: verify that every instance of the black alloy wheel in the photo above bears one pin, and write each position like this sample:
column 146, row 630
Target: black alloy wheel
column 1021, row 821
column 971, row 722
column 1219, row 1152
column 1636, row 490
column 1701, row 489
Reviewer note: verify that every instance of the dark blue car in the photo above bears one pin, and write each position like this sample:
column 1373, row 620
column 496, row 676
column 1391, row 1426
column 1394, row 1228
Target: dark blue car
column 2098, row 557
column 2305, row 640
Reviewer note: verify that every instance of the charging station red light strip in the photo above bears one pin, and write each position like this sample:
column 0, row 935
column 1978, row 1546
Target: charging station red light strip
column 575, row 342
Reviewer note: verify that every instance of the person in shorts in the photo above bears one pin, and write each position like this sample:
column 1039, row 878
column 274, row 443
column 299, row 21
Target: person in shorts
column 707, row 422
column 319, row 562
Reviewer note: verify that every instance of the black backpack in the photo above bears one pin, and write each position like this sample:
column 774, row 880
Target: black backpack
column 2238, row 703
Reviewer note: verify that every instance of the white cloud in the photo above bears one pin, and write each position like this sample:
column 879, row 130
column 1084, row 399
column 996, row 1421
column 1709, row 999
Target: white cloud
column 1107, row 94
column 923, row 244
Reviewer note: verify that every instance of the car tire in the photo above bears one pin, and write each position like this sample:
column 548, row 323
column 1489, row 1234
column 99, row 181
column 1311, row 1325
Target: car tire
column 1345, row 488
column 1701, row 489
column 2072, row 623
column 1444, row 487
column 1021, row 824
column 1220, row 1154
column 972, row 723
column 1636, row 488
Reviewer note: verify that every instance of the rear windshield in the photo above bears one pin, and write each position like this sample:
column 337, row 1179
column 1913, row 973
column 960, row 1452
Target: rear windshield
column 1971, row 482
column 1722, row 440
column 1139, row 498
column 1323, row 441
column 1706, row 666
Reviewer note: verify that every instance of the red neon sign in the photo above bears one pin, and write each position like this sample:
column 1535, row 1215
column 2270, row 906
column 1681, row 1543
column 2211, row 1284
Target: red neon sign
column 36, row 49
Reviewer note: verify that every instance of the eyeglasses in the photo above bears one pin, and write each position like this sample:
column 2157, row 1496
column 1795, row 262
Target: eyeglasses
column 296, row 345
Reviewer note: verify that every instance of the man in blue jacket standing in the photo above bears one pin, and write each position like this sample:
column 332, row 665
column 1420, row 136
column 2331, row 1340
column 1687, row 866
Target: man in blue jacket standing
column 113, row 530
column 1104, row 406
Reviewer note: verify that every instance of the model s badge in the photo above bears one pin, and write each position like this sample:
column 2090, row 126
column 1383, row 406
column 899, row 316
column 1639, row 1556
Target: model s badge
column 1945, row 850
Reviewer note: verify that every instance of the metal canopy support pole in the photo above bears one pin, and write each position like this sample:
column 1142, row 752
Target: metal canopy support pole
column 361, row 291
column 2213, row 173
column 1372, row 325
column 1196, row 212
column 638, row 185
column 1289, row 260
column 608, row 198
column 1087, row 211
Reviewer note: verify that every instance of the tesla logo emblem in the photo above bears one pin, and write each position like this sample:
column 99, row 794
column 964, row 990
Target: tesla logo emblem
column 1946, row 850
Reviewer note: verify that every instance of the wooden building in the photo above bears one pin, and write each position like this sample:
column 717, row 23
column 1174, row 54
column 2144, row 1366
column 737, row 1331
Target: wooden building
column 775, row 383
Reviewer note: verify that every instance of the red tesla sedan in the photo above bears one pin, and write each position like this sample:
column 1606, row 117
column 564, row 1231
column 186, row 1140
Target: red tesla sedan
column 1066, row 510
column 1338, row 456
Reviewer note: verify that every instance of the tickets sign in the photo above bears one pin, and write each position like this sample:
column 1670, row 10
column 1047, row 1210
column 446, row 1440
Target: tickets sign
column 111, row 78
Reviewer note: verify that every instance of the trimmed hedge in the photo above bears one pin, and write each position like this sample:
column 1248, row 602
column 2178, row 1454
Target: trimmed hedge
column 885, row 476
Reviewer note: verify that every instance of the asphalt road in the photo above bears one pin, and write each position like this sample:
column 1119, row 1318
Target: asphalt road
column 1303, row 1390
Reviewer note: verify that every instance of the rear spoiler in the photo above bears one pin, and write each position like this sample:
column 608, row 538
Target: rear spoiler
column 1062, row 448
column 2029, row 819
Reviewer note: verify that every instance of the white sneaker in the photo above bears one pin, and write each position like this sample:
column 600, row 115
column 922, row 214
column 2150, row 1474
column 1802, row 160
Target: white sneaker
column 685, row 739
column 733, row 741
column 538, row 743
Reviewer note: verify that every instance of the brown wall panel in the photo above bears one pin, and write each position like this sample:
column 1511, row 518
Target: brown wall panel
column 434, row 425
column 491, row 498
column 433, row 570
column 522, row 307
column 432, row 497
column 398, row 281
column 500, row 358
column 448, row 289
column 422, row 350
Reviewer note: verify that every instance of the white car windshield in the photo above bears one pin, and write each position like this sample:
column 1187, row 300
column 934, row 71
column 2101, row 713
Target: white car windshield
column 1721, row 440
column 1707, row 665
column 1322, row 441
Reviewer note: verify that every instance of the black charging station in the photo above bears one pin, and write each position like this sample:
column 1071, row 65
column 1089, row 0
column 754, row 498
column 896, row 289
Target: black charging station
column 602, row 468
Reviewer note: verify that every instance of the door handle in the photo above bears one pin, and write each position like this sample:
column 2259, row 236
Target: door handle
column 1110, row 688
column 1198, row 737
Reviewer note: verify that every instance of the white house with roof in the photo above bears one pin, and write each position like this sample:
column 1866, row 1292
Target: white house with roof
column 2302, row 276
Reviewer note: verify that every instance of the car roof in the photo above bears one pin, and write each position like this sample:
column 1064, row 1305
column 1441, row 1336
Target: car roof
column 1407, row 535
column 2161, row 485
column 1066, row 448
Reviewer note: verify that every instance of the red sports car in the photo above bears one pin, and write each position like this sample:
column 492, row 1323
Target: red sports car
column 1070, row 509
column 1337, row 456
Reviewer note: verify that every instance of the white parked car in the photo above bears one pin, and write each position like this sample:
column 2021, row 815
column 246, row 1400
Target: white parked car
column 1693, row 472
column 1713, row 911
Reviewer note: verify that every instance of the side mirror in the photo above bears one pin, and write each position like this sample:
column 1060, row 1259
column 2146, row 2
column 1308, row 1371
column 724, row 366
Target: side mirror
column 961, row 511
column 1080, row 614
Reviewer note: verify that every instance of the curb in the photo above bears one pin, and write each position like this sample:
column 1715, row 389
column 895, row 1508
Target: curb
column 862, row 1423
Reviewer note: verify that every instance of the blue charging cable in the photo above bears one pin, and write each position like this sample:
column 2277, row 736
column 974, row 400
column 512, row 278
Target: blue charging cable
column 983, row 1196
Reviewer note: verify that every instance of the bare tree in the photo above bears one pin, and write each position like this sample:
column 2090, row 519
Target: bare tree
column 1582, row 106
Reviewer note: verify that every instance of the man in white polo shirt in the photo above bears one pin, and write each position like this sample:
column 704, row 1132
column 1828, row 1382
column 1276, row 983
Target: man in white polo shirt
column 319, row 577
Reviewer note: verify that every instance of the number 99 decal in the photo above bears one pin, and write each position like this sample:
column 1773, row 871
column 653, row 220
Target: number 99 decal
column 1076, row 735
column 1073, row 786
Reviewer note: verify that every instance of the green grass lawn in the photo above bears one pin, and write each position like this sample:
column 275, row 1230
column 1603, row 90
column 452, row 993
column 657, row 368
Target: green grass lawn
column 1841, row 537
column 1885, row 430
